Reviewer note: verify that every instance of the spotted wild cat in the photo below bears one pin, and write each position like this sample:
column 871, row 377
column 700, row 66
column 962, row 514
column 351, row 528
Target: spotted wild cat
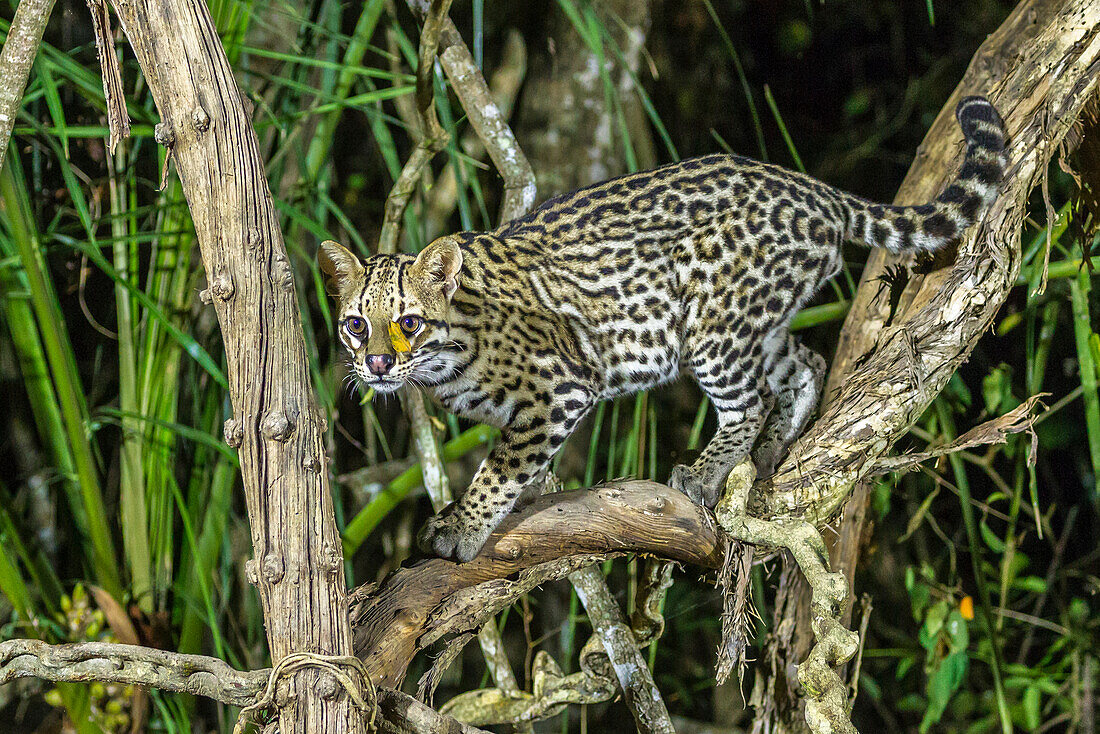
column 697, row 266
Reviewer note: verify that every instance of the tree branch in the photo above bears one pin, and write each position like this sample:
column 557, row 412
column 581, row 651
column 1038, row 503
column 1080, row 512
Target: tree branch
column 553, row 536
column 16, row 59
column 485, row 118
column 198, row 675
column 130, row 665
column 884, row 377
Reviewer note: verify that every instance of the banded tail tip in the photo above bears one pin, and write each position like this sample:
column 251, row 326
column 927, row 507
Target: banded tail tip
column 981, row 123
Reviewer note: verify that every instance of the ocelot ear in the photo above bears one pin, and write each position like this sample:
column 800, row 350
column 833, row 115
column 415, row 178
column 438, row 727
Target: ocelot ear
column 341, row 267
column 439, row 263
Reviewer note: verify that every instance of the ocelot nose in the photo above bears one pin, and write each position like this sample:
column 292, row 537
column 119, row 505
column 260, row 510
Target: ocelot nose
column 379, row 364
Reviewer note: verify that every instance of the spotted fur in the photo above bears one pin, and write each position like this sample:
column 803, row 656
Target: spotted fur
column 694, row 267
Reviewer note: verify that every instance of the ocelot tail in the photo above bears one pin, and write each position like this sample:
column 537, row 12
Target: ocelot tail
column 696, row 266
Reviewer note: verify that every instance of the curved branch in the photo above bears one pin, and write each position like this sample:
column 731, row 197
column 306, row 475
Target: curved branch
column 547, row 540
column 198, row 675
column 130, row 665
column 552, row 537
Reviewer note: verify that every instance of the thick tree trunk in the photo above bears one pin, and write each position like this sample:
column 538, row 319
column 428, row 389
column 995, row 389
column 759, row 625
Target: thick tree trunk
column 1015, row 67
column 298, row 563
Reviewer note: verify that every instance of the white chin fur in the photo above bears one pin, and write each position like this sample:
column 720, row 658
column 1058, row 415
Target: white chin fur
column 368, row 380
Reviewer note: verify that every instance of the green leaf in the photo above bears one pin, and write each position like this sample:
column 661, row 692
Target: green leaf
column 1032, row 715
column 942, row 684
column 919, row 594
column 958, row 631
column 918, row 517
column 903, row 667
column 997, row 390
column 990, row 538
column 1034, row 584
column 933, row 623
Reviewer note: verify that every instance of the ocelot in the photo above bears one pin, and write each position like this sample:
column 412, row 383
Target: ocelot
column 696, row 266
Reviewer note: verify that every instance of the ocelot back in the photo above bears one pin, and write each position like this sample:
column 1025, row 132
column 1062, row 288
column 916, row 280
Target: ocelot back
column 696, row 266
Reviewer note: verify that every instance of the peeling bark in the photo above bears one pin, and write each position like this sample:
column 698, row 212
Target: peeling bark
column 1040, row 68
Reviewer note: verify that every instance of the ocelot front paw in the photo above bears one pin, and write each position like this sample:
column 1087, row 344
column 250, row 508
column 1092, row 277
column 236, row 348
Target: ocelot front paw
column 451, row 535
column 701, row 489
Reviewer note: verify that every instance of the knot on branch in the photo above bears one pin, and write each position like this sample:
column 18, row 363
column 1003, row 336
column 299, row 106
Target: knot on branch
column 164, row 134
column 311, row 464
column 282, row 274
column 337, row 672
column 233, row 431
column 333, row 558
column 200, row 119
column 276, row 425
column 253, row 239
column 274, row 569
column 222, row 287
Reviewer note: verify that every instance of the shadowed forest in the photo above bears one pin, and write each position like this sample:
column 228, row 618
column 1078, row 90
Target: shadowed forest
column 121, row 512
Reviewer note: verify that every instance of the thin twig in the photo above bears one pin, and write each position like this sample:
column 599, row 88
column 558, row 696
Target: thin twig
column 486, row 119
column 432, row 136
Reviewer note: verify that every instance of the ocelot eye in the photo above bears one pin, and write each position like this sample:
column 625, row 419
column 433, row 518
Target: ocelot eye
column 355, row 325
column 410, row 324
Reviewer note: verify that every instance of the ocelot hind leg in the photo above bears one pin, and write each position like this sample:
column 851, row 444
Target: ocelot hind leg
column 742, row 400
column 795, row 374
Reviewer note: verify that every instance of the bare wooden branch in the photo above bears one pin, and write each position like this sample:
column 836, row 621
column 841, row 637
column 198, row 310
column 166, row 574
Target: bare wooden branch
column 549, row 539
column 403, row 714
column 504, row 85
column 198, row 675
column 1017, row 420
column 130, row 665
column 629, row 666
column 277, row 425
column 827, row 709
column 552, row 691
column 118, row 119
column 16, row 58
column 601, row 674
column 432, row 137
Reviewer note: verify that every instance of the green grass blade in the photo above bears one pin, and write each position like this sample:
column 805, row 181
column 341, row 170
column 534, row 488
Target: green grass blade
column 1080, row 288
column 133, row 514
column 62, row 365
column 758, row 128
column 783, row 129
column 985, row 608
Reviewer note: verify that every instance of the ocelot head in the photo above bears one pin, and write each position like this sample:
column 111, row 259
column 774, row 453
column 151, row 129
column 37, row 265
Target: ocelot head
column 393, row 312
